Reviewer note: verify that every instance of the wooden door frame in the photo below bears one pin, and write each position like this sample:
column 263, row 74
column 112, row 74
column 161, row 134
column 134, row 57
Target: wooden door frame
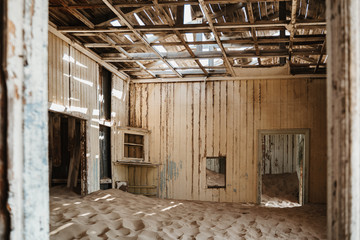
column 83, row 149
column 4, row 185
column 305, row 178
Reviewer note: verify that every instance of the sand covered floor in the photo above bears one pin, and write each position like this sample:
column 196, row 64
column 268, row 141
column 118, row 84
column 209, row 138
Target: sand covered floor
column 280, row 190
column 114, row 214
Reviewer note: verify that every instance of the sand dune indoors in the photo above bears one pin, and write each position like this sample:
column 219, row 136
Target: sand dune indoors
column 114, row 214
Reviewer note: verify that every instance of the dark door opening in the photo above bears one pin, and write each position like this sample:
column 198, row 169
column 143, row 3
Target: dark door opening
column 105, row 157
column 67, row 147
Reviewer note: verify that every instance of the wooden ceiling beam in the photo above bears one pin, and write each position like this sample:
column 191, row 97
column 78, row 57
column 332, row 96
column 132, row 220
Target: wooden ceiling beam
column 107, row 22
column 160, row 3
column 77, row 14
column 112, row 44
column 177, row 68
column 216, row 36
column 113, row 57
column 323, row 48
column 122, row 17
column 253, row 31
column 302, row 40
column 292, row 26
column 179, row 18
column 264, row 25
column 282, row 16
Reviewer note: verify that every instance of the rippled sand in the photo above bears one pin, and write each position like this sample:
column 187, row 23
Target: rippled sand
column 114, row 214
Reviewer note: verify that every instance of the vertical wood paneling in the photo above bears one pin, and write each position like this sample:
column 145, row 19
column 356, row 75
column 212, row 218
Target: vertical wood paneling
column 222, row 118
column 280, row 152
column 119, row 108
column 73, row 85
column 59, row 71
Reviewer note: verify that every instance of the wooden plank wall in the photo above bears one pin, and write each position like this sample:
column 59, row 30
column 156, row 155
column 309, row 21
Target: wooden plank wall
column 280, row 153
column 143, row 180
column 73, row 90
column 119, row 100
column 190, row 121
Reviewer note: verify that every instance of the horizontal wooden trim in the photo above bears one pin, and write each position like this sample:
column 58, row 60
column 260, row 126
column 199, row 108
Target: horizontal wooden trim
column 125, row 159
column 134, row 144
column 119, row 162
column 115, row 57
column 160, row 3
column 207, row 79
column 192, row 27
column 134, row 129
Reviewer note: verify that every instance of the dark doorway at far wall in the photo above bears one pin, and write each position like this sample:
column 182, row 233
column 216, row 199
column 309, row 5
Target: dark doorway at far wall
column 67, row 152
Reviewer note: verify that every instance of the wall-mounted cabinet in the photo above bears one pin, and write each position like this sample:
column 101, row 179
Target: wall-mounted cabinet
column 134, row 144
column 132, row 166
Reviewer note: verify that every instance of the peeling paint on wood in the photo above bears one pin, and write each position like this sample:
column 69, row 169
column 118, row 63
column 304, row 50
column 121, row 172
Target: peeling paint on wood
column 26, row 71
column 343, row 98
column 222, row 118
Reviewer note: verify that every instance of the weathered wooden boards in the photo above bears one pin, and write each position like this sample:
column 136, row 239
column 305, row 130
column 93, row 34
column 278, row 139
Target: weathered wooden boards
column 280, row 153
column 192, row 121
column 4, row 187
column 343, row 98
column 24, row 60
column 73, row 90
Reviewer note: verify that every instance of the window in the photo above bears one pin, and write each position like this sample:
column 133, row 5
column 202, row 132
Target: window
column 134, row 144
column 216, row 172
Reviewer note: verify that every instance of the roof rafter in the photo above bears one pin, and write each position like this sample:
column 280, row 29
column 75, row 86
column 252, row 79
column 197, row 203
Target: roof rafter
column 77, row 14
column 323, row 48
column 112, row 44
column 122, row 17
column 114, row 57
column 216, row 36
column 292, row 26
column 266, row 25
column 160, row 3
column 178, row 34
column 253, row 31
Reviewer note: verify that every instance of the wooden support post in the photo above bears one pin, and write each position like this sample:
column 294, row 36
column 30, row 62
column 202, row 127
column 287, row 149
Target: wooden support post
column 83, row 161
column 72, row 150
column 26, row 67
column 343, row 111
column 4, row 185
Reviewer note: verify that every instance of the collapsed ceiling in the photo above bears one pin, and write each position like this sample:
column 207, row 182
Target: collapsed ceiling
column 179, row 39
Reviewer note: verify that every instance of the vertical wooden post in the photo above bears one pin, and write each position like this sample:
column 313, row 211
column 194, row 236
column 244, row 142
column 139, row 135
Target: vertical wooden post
column 27, row 118
column 343, row 110
column 4, row 214
column 83, row 164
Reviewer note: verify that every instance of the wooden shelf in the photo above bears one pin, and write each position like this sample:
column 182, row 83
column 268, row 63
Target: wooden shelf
column 137, row 163
column 134, row 130
column 134, row 144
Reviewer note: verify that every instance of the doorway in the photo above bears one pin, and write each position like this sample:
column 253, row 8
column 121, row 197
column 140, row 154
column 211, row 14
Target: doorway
column 282, row 167
column 67, row 157
column 105, row 157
